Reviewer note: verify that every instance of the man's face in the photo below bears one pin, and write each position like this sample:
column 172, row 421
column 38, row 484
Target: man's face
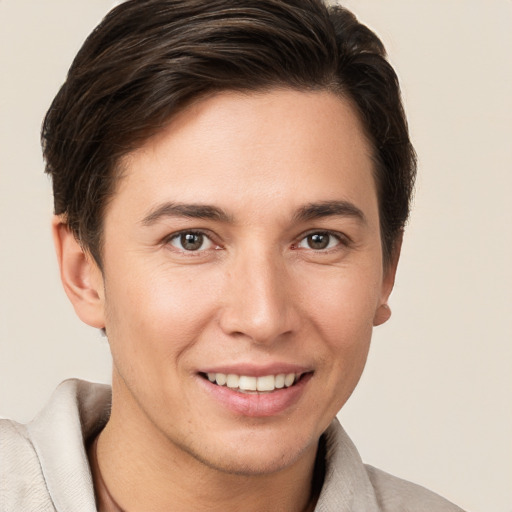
column 243, row 240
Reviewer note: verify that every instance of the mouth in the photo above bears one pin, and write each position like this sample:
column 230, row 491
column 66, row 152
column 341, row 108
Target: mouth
column 248, row 384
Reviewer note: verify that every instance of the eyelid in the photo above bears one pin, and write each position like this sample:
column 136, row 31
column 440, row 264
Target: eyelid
column 166, row 241
column 343, row 239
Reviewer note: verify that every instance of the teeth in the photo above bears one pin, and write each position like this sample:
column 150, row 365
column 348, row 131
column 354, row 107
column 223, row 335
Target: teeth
column 232, row 381
column 247, row 383
column 289, row 380
column 265, row 383
column 280, row 380
column 221, row 379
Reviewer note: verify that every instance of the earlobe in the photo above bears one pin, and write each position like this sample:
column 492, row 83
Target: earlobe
column 382, row 315
column 80, row 275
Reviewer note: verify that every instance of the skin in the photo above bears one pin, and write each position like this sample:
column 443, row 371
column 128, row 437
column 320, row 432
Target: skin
column 255, row 293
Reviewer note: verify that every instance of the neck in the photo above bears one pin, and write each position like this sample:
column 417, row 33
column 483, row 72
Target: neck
column 145, row 471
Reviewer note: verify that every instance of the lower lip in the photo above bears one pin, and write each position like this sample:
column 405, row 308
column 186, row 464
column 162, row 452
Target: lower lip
column 257, row 404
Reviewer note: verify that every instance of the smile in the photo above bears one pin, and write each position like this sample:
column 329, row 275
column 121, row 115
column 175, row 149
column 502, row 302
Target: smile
column 251, row 384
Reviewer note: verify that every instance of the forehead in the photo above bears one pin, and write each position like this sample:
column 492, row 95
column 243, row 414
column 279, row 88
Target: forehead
column 248, row 150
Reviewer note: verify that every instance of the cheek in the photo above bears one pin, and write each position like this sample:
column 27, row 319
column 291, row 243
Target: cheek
column 341, row 312
column 153, row 317
column 343, row 305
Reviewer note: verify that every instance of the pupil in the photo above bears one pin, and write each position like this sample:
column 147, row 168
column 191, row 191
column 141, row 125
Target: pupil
column 318, row 241
column 192, row 241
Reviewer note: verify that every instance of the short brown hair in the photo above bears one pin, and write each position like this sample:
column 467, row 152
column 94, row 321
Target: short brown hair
column 149, row 58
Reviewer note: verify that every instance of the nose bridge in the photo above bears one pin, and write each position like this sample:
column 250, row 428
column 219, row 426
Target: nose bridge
column 259, row 303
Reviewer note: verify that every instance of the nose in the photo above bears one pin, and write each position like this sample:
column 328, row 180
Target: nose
column 260, row 304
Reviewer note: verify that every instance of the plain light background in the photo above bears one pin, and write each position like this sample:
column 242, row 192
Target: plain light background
column 435, row 402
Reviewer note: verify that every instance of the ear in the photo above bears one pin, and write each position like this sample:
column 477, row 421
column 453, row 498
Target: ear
column 383, row 312
column 80, row 275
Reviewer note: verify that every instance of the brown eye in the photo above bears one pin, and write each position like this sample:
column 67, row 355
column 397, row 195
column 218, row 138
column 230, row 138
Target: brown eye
column 318, row 241
column 191, row 241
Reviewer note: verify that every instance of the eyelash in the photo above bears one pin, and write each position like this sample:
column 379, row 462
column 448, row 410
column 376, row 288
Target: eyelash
column 342, row 240
column 206, row 237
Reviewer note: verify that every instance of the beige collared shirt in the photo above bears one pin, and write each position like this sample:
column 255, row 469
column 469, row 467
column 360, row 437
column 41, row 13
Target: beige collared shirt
column 44, row 465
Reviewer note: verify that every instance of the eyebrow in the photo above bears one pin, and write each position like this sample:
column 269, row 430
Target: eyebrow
column 322, row 209
column 308, row 212
column 192, row 211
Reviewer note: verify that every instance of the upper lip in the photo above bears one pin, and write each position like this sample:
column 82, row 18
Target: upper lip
column 252, row 370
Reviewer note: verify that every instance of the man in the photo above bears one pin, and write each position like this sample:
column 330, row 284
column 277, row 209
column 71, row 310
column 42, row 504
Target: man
column 231, row 182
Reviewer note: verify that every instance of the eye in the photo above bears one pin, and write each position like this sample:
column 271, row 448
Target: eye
column 319, row 241
column 191, row 241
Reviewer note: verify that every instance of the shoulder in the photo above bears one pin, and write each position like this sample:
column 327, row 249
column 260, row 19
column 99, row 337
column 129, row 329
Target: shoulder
column 15, row 446
column 394, row 494
column 22, row 483
column 350, row 485
column 43, row 465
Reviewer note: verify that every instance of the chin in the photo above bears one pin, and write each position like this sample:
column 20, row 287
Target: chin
column 244, row 464
column 259, row 456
